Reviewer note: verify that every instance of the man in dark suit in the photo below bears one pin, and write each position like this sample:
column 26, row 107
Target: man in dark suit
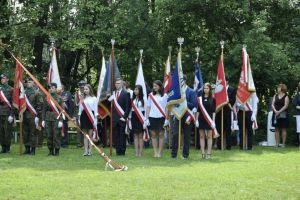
column 227, row 109
column 186, row 125
column 122, row 97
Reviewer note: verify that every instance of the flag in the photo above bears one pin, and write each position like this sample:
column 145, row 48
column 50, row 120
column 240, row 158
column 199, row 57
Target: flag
column 140, row 80
column 168, row 78
column 221, row 88
column 198, row 81
column 103, row 106
column 177, row 103
column 19, row 91
column 53, row 74
column 246, row 84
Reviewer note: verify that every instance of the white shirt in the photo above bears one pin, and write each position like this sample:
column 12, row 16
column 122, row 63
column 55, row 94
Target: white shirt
column 251, row 104
column 162, row 101
column 91, row 103
column 139, row 105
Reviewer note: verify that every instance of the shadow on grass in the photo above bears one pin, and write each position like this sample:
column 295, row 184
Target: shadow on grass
column 71, row 159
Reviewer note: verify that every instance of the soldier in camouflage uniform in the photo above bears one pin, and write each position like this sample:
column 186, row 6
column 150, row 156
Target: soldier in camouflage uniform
column 32, row 117
column 50, row 122
column 6, row 114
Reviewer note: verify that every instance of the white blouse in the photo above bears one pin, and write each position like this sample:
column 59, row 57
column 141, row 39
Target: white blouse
column 91, row 103
column 138, row 104
column 162, row 101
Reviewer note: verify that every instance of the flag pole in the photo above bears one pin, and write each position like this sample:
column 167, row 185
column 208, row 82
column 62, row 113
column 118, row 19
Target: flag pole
column 111, row 91
column 180, row 42
column 197, row 49
column 169, row 116
column 222, row 112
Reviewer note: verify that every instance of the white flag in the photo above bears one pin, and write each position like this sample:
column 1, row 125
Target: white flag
column 141, row 81
column 53, row 74
column 101, row 78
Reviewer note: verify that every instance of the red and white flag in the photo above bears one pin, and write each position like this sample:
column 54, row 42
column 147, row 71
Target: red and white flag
column 19, row 91
column 168, row 77
column 53, row 73
column 221, row 87
column 246, row 84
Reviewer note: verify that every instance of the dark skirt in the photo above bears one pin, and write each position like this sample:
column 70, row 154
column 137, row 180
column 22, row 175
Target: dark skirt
column 280, row 123
column 156, row 124
column 137, row 126
column 85, row 122
column 203, row 124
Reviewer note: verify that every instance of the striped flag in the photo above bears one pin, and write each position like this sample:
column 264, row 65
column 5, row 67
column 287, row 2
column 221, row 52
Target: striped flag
column 53, row 73
column 19, row 91
column 168, row 78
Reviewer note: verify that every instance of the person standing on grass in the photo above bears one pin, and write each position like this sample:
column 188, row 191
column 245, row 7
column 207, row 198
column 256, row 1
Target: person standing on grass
column 156, row 117
column 78, row 94
column 32, row 115
column 280, row 106
column 205, row 119
column 186, row 122
column 296, row 103
column 137, row 126
column 52, row 120
column 87, row 114
column 120, row 111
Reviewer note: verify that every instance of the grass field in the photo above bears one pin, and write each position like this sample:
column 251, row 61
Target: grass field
column 264, row 173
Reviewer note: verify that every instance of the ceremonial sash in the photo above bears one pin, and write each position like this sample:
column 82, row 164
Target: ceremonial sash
column 141, row 118
column 190, row 117
column 207, row 117
column 117, row 106
column 30, row 107
column 91, row 118
column 4, row 99
column 157, row 105
column 53, row 107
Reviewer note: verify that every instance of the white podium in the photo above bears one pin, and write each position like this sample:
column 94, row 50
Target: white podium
column 271, row 131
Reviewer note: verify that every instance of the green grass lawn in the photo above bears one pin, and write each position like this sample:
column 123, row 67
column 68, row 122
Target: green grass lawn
column 265, row 173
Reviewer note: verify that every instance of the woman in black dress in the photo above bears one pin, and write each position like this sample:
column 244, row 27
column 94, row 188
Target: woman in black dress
column 86, row 124
column 205, row 129
column 137, row 126
column 280, row 106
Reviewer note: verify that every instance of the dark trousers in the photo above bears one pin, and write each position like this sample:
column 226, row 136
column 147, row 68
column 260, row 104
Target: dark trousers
column 119, row 137
column 186, row 130
column 65, row 138
column 226, row 127
column 248, row 128
column 5, row 131
column 30, row 132
column 102, row 133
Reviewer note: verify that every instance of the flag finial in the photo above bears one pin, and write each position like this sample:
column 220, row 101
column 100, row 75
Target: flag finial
column 180, row 41
column 197, row 49
column 222, row 44
column 113, row 41
column 52, row 41
column 141, row 52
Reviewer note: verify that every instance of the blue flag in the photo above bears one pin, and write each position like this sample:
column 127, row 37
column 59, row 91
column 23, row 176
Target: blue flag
column 177, row 103
column 198, row 82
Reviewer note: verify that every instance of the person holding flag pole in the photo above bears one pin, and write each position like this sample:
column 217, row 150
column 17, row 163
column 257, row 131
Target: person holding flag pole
column 246, row 103
column 221, row 97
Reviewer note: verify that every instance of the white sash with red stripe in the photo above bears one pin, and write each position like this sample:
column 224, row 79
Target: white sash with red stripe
column 4, row 99
column 190, row 117
column 30, row 107
column 207, row 117
column 117, row 106
column 92, row 119
column 53, row 106
column 157, row 105
column 142, row 119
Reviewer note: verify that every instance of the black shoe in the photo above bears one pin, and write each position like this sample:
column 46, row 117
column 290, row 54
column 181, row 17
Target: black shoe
column 32, row 151
column 56, row 152
column 50, row 152
column 27, row 150
column 174, row 156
